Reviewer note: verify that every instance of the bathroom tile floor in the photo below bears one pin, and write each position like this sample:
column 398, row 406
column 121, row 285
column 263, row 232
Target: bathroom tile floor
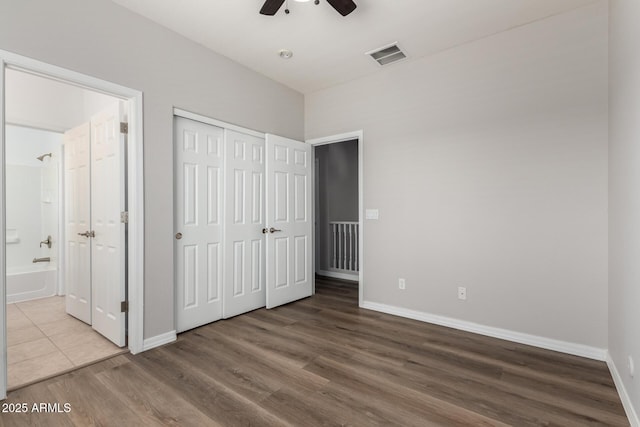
column 43, row 341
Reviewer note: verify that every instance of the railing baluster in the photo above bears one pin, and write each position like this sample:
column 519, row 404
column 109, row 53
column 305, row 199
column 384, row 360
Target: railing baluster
column 345, row 255
column 340, row 237
column 351, row 226
column 334, row 260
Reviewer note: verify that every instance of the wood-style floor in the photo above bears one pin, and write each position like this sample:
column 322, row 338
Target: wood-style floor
column 324, row 361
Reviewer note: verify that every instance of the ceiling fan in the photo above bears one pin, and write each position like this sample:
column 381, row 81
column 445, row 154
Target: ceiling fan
column 344, row 7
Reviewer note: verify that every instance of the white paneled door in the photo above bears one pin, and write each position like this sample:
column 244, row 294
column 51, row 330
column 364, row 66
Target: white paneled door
column 289, row 220
column 108, row 248
column 77, row 221
column 243, row 222
column 94, row 175
column 198, row 240
column 244, row 209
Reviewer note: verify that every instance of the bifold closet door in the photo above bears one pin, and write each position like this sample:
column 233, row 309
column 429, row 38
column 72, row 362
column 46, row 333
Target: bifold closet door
column 198, row 240
column 244, row 220
column 77, row 221
column 289, row 218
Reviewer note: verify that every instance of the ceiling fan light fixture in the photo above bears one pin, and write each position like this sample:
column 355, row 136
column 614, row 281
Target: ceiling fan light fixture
column 271, row 7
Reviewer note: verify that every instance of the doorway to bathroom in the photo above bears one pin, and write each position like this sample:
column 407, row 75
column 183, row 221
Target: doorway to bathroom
column 64, row 170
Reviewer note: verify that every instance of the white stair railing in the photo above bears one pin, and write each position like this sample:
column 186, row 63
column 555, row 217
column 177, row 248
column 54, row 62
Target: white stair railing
column 344, row 246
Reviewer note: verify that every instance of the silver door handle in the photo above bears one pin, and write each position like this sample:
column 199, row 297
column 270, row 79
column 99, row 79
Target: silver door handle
column 88, row 234
column 274, row 230
column 178, row 236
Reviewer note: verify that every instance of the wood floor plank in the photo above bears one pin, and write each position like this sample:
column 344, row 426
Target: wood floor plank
column 165, row 409
column 266, row 361
column 324, row 361
column 425, row 407
column 215, row 399
column 484, row 395
column 31, row 396
column 243, row 378
column 80, row 387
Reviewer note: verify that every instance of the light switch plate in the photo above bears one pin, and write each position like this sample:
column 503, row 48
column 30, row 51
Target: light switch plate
column 372, row 214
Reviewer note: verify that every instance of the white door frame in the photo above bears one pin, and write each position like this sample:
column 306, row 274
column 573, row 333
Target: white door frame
column 348, row 136
column 134, row 183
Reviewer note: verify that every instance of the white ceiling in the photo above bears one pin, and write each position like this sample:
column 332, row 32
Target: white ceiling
column 328, row 48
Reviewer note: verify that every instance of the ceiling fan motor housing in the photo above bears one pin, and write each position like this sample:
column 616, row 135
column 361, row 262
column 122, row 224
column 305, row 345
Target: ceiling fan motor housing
column 344, row 7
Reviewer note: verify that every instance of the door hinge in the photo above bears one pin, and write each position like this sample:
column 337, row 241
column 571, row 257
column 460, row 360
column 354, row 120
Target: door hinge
column 124, row 307
column 124, row 128
column 124, row 217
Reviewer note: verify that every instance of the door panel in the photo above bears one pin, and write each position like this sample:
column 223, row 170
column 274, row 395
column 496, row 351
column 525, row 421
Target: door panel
column 198, row 202
column 108, row 247
column 77, row 178
column 300, row 256
column 244, row 241
column 288, row 211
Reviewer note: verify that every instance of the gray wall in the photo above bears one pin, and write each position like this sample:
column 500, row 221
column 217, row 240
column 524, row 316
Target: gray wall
column 338, row 190
column 488, row 163
column 104, row 40
column 624, row 192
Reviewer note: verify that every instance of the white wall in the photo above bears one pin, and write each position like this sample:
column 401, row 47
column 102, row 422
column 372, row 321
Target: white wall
column 488, row 163
column 43, row 103
column 32, row 195
column 94, row 102
column 101, row 39
column 624, row 193
column 25, row 144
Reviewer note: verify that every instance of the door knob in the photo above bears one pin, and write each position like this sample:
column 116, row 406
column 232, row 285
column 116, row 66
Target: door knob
column 178, row 236
column 88, row 234
column 273, row 230
column 265, row 230
column 47, row 242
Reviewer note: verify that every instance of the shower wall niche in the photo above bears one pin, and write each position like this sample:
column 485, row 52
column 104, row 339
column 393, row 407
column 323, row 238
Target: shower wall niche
column 32, row 221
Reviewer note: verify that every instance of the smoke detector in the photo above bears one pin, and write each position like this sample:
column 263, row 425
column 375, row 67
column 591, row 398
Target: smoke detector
column 285, row 53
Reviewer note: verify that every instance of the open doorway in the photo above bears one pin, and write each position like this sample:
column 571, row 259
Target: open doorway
column 43, row 195
column 336, row 213
column 134, row 216
column 338, row 190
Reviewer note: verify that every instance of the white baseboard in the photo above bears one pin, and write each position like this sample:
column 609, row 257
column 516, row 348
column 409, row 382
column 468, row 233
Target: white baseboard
column 622, row 391
column 337, row 275
column 159, row 340
column 505, row 334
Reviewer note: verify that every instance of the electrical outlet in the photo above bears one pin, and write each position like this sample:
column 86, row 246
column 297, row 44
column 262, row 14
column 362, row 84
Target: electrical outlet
column 462, row 293
column 632, row 368
column 402, row 284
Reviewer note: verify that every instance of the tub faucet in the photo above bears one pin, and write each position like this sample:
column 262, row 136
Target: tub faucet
column 46, row 242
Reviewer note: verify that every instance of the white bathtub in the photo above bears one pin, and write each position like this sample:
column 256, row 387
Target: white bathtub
column 31, row 282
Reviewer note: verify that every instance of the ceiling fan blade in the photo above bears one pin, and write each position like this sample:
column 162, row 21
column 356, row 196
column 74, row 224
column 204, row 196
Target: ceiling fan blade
column 270, row 7
column 344, row 7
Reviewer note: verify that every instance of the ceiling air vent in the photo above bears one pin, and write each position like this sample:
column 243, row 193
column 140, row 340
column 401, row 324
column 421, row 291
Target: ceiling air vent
column 387, row 54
